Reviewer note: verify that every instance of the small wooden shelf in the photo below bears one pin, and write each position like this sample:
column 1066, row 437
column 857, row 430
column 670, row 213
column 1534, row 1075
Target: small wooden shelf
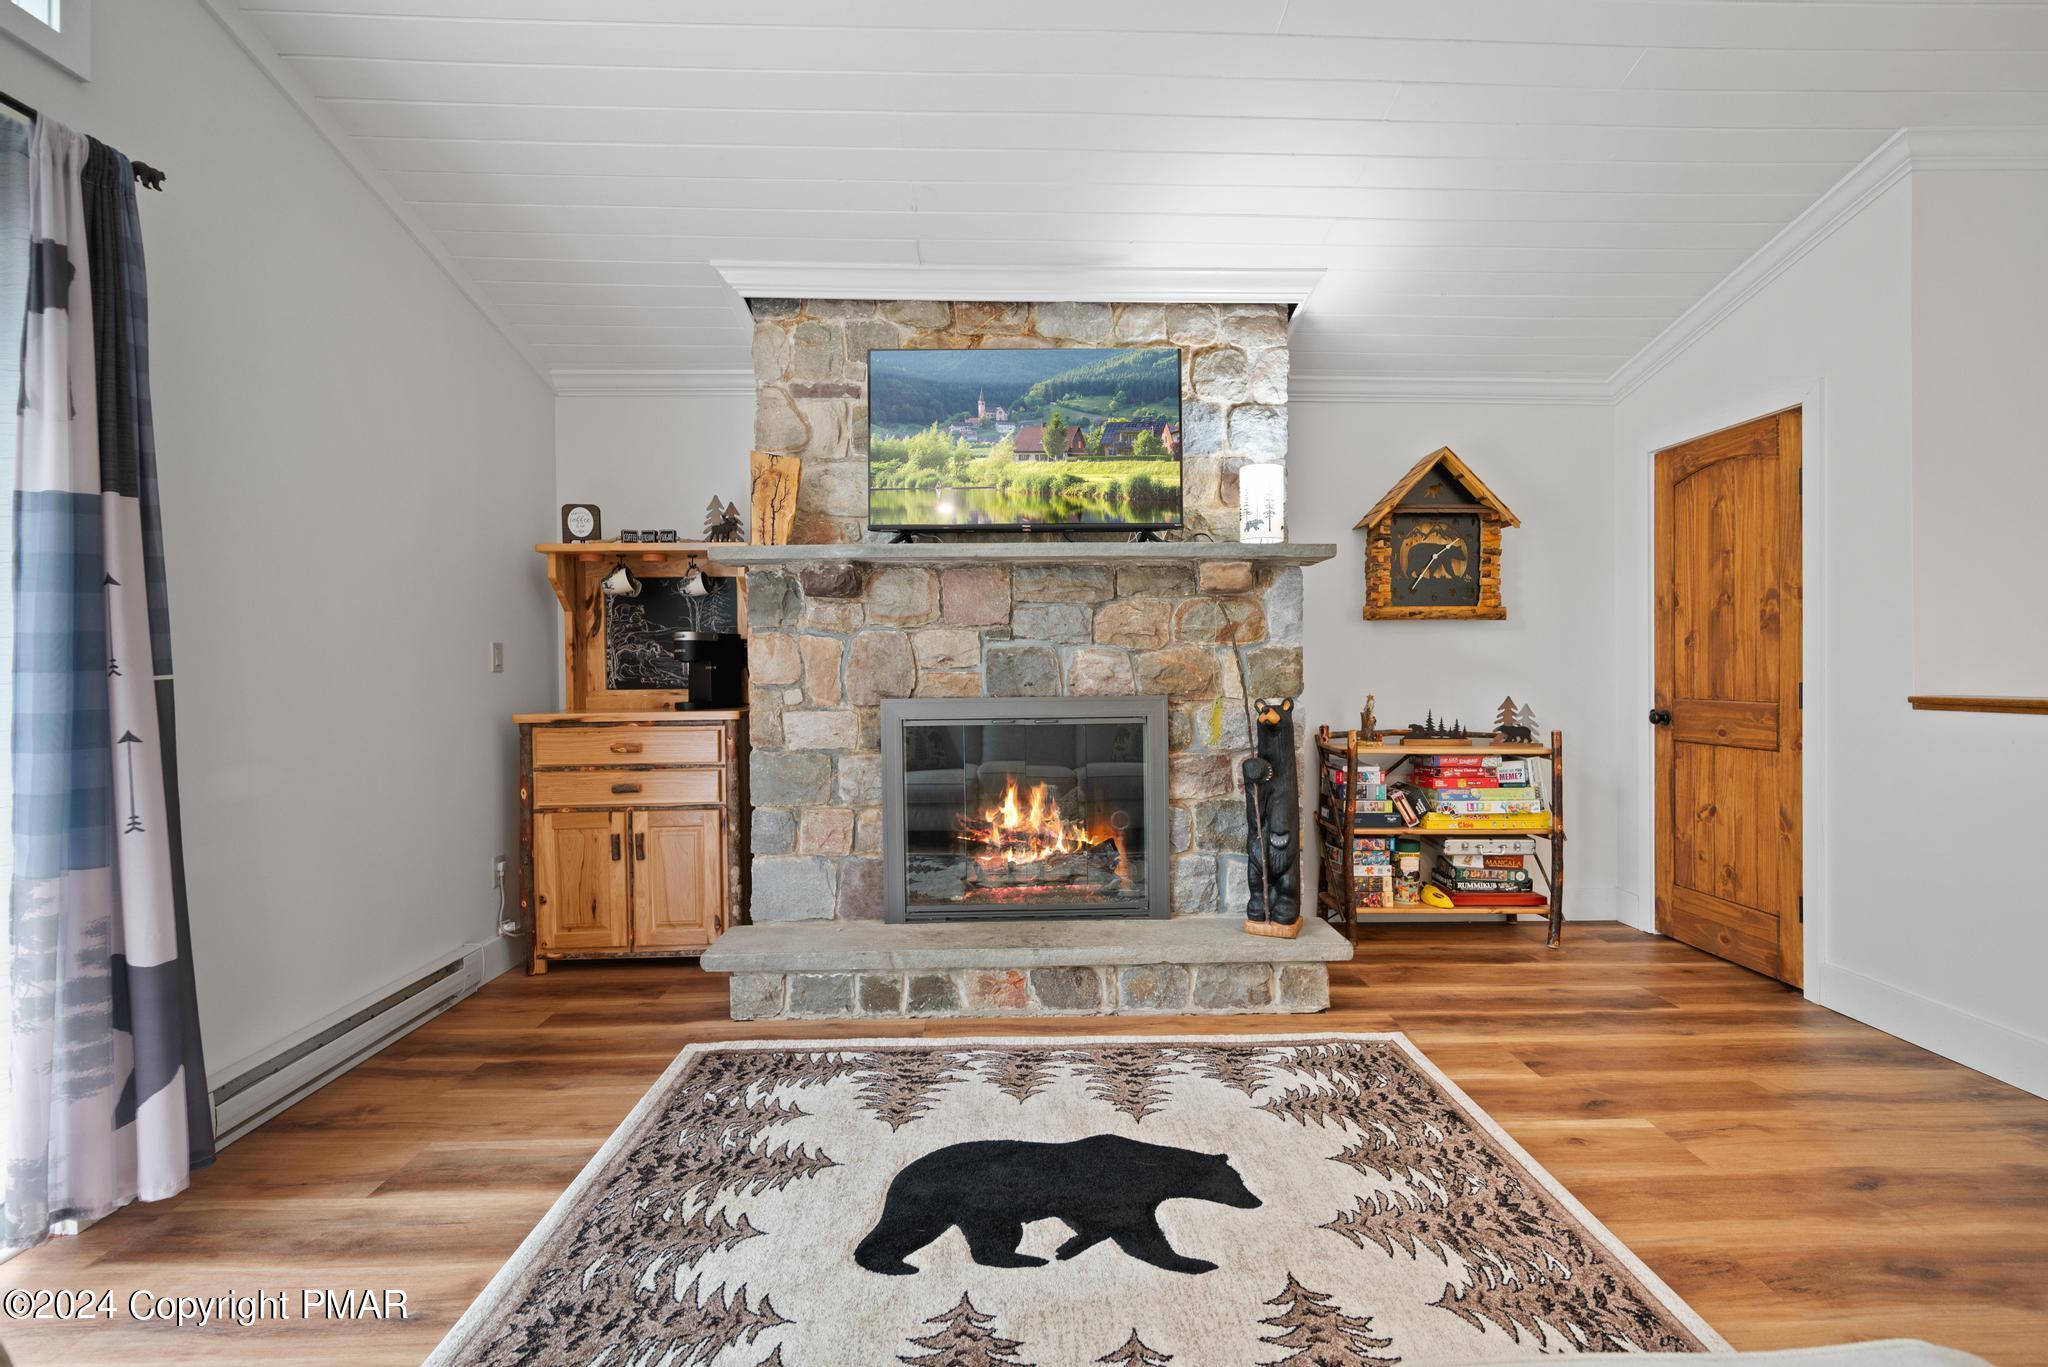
column 1337, row 892
column 1478, row 832
column 1397, row 747
column 1942, row 702
column 653, row 550
column 1485, row 909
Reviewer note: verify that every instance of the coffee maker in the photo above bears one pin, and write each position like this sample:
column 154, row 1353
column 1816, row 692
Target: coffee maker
column 712, row 664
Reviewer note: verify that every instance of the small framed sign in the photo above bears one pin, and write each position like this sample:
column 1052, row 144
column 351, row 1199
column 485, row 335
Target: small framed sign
column 581, row 522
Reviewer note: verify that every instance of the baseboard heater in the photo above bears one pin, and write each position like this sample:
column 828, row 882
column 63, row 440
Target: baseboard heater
column 261, row 1089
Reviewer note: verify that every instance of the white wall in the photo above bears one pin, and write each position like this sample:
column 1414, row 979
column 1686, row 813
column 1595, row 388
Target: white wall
column 1980, row 351
column 355, row 466
column 653, row 460
column 1920, row 919
column 1551, row 463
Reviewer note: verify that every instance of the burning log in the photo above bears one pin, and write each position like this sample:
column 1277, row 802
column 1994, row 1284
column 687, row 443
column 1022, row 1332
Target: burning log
column 1028, row 840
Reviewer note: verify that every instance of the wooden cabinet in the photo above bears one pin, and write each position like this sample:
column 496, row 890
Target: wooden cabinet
column 630, row 832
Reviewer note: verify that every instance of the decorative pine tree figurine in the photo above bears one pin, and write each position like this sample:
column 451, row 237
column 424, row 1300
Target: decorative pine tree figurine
column 1504, row 715
column 1527, row 717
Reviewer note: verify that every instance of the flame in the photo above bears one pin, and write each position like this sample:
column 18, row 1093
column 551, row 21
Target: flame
column 1028, row 828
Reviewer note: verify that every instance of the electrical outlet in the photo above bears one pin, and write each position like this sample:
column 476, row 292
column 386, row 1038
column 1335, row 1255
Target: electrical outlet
column 498, row 871
column 497, row 657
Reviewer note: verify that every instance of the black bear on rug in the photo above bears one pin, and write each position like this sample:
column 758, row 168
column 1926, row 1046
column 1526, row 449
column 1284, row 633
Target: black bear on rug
column 1107, row 1187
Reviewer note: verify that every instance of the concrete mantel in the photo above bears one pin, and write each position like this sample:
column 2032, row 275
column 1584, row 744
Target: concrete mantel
column 1025, row 552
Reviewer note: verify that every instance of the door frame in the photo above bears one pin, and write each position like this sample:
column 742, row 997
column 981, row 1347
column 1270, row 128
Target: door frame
column 1815, row 459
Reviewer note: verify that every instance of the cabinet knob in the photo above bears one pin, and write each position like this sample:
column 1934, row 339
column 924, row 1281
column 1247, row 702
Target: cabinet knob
column 626, row 747
column 625, row 787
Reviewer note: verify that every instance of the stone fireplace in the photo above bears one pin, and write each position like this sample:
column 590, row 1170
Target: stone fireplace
column 1139, row 658
column 1024, row 808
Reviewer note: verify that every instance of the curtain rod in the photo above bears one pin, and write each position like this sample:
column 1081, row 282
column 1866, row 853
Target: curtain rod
column 145, row 174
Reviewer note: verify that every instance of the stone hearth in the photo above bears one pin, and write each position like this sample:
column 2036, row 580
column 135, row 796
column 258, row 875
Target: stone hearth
column 1193, row 966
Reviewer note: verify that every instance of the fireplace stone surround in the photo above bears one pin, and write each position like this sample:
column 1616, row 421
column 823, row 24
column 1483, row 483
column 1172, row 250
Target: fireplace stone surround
column 835, row 629
column 841, row 622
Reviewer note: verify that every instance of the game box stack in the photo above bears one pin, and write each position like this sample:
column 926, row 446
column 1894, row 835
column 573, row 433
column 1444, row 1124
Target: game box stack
column 1479, row 792
column 1374, row 811
column 1372, row 870
column 1491, row 872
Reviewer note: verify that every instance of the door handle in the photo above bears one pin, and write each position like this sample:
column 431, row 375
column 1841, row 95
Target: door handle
column 1660, row 716
column 640, row 845
column 615, row 847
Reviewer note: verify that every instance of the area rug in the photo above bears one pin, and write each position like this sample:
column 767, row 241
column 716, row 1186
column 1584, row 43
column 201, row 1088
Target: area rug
column 1311, row 1200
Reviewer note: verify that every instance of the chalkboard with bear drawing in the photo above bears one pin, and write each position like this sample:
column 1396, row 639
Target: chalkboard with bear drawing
column 637, row 650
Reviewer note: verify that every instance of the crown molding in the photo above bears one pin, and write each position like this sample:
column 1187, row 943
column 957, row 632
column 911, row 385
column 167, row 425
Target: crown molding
column 1023, row 284
column 1841, row 202
column 1441, row 389
column 571, row 384
column 238, row 27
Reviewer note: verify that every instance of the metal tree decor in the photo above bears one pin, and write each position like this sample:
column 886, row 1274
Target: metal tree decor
column 722, row 521
column 1272, row 799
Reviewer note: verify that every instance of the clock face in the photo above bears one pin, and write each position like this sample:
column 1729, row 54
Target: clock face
column 1436, row 560
column 579, row 521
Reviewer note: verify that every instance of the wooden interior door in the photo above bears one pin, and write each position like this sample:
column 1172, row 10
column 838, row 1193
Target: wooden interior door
column 678, row 878
column 579, row 876
column 1727, row 708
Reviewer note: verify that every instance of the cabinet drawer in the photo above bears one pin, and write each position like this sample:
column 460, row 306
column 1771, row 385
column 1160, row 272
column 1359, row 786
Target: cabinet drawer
column 556, row 747
column 630, row 788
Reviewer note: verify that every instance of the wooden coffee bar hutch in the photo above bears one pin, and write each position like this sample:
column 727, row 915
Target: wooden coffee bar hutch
column 630, row 813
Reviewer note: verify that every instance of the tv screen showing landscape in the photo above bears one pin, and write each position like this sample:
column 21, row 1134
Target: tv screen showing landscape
column 993, row 439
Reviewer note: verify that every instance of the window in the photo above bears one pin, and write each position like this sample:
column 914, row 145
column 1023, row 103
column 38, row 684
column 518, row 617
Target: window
column 60, row 30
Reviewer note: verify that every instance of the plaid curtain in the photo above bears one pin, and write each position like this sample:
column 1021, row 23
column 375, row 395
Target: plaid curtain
column 106, row 1086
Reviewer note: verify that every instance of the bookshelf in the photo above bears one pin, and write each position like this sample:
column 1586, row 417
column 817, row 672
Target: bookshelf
column 1337, row 889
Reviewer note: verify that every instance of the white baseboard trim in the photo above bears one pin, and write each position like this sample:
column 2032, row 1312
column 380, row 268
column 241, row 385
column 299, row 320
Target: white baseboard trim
column 1631, row 909
column 1995, row 1050
column 273, row 1079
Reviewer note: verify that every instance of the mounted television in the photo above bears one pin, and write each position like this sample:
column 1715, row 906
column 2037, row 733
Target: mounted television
column 1000, row 439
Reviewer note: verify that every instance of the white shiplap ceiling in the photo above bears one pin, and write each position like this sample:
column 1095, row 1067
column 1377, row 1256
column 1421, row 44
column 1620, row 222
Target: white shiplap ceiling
column 1496, row 189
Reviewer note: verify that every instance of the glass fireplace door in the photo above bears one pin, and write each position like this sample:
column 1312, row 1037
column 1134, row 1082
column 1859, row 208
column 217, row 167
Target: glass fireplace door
column 1026, row 815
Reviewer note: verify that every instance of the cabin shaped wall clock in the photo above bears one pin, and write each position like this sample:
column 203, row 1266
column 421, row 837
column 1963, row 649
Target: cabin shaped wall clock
column 1432, row 547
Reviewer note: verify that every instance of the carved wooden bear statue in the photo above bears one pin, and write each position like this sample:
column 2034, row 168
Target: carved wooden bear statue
column 1272, row 799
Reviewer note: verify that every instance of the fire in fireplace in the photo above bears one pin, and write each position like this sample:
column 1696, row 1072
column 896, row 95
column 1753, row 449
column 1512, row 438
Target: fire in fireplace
column 1024, row 807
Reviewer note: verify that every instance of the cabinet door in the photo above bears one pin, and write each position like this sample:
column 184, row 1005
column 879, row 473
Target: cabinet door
column 579, row 874
column 678, row 878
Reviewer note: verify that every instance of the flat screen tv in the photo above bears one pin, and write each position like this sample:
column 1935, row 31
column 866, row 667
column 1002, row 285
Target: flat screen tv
column 1001, row 439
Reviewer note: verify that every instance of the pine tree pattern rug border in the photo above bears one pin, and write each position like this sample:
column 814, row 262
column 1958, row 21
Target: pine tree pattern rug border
column 629, row 1267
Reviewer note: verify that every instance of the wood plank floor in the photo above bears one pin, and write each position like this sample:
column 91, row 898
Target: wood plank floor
column 1799, row 1178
